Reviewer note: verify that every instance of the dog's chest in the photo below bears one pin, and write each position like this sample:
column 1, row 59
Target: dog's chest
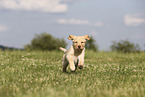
column 76, row 59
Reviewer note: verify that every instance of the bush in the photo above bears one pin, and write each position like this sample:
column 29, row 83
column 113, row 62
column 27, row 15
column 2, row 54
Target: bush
column 44, row 42
column 90, row 44
column 125, row 46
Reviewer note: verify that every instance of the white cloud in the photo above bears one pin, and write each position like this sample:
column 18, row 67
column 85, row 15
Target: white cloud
column 3, row 28
column 73, row 21
column 53, row 6
column 98, row 24
column 79, row 22
column 70, row 1
column 134, row 20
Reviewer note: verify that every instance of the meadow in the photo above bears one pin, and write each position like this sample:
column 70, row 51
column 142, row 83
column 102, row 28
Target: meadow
column 39, row 74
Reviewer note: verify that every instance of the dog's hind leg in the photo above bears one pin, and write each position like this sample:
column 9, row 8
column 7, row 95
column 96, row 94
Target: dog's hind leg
column 65, row 64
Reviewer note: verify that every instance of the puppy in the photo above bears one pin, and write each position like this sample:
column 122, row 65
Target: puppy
column 74, row 56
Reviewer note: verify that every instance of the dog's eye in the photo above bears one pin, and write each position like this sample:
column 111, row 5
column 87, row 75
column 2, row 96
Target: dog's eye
column 76, row 42
column 82, row 42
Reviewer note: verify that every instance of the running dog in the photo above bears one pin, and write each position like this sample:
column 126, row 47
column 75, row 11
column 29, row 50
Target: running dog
column 74, row 56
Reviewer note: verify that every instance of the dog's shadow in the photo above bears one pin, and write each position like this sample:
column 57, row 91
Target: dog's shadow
column 70, row 72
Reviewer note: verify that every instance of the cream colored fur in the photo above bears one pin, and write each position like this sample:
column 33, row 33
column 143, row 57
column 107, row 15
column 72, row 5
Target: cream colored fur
column 74, row 56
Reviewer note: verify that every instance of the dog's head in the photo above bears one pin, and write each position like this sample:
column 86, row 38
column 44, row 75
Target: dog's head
column 79, row 41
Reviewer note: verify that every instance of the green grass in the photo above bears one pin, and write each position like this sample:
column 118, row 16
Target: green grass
column 39, row 74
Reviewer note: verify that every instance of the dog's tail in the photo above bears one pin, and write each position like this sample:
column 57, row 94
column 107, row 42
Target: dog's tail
column 63, row 49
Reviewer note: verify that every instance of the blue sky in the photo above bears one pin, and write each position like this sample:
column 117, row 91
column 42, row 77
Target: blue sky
column 105, row 20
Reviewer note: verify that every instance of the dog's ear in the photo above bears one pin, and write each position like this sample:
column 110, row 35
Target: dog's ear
column 87, row 37
column 71, row 37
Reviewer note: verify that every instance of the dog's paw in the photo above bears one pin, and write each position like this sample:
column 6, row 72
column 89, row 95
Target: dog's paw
column 72, row 68
column 80, row 67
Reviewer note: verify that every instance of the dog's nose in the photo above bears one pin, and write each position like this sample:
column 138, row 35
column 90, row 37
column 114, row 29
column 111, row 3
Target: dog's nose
column 79, row 46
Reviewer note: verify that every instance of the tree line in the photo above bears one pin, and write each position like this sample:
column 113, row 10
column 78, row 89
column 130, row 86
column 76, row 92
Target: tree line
column 2, row 48
column 47, row 42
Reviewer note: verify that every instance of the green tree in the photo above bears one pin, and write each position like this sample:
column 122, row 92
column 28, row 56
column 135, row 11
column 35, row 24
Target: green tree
column 91, row 44
column 44, row 42
column 125, row 46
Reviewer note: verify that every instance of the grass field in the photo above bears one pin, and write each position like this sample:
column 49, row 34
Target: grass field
column 39, row 74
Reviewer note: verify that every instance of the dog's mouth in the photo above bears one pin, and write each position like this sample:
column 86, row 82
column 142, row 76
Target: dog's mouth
column 79, row 49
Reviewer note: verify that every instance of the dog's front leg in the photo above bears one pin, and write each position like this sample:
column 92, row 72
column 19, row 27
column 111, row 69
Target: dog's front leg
column 70, row 59
column 81, row 61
